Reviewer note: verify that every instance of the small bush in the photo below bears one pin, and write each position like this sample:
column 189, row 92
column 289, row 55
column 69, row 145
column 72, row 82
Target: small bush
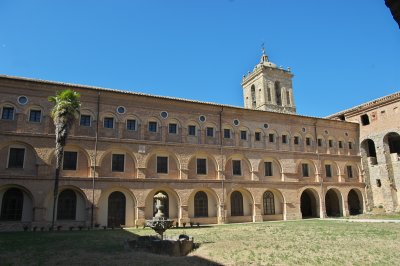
column 184, row 225
column 71, row 228
column 198, row 224
column 177, row 224
column 191, row 224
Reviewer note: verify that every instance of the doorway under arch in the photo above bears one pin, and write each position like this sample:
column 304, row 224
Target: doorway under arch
column 333, row 206
column 309, row 204
column 116, row 209
column 355, row 203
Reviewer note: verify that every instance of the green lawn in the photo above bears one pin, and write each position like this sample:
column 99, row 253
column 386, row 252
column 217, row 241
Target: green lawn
column 284, row 243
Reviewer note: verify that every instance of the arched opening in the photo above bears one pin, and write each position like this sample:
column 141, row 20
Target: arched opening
column 332, row 204
column 165, row 202
column 268, row 203
column 200, row 204
column 236, row 204
column 354, row 202
column 66, row 206
column 368, row 150
column 278, row 96
column 393, row 140
column 253, row 97
column 12, row 205
column 116, row 209
column 308, row 205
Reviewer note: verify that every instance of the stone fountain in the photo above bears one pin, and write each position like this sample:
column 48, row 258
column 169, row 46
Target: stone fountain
column 180, row 247
column 159, row 223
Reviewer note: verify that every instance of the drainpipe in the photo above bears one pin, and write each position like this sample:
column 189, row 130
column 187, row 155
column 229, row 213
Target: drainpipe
column 222, row 163
column 95, row 156
column 319, row 166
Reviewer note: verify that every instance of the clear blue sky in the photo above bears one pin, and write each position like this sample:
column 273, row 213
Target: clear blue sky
column 342, row 52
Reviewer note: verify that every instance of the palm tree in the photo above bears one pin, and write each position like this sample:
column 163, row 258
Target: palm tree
column 64, row 113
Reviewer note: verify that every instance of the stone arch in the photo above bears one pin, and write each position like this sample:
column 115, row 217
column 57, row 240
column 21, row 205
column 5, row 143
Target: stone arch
column 81, row 203
column 211, row 166
column 333, row 203
column 24, row 213
column 309, row 203
column 279, row 202
column 174, row 202
column 312, row 168
column 391, row 143
column 276, row 169
column 212, row 204
column 247, row 205
column 355, row 202
column 83, row 161
column 103, row 207
column 245, row 167
column 368, row 151
column 31, row 158
column 105, row 163
column 174, row 165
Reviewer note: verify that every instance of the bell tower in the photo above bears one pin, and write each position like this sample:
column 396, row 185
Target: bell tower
column 268, row 88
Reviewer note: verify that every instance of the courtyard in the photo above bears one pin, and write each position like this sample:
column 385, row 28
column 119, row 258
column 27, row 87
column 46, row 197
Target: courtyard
column 303, row 242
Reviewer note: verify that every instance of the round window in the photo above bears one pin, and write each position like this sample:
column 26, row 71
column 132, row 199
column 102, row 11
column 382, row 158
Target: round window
column 303, row 129
column 266, row 126
column 22, row 100
column 164, row 114
column 236, row 122
column 346, row 134
column 326, row 132
column 202, row 118
column 121, row 110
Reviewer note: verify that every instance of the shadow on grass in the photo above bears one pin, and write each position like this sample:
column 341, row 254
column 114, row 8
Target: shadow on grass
column 94, row 247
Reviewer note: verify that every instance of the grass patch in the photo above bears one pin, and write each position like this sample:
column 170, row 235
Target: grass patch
column 285, row 243
column 383, row 216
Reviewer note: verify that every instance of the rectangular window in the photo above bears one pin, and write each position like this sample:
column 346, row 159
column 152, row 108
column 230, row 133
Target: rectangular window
column 201, row 166
column 85, row 120
column 108, row 122
column 308, row 141
column 162, row 165
column 328, row 170
column 319, row 142
column 192, row 130
column 227, row 133
column 243, row 135
column 378, row 183
column 350, row 145
column 340, row 144
column 35, row 116
column 349, row 171
column 210, row 132
column 70, row 160
column 118, row 161
column 330, row 142
column 16, row 158
column 131, row 124
column 8, row 113
column 268, row 169
column 271, row 138
column 296, row 140
column 173, row 128
column 284, row 139
column 257, row 136
column 304, row 169
column 236, row 167
column 288, row 97
column 152, row 126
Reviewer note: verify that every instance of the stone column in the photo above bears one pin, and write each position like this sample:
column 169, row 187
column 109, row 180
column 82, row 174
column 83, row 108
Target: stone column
column 184, row 215
column 141, row 216
column 257, row 212
column 221, row 214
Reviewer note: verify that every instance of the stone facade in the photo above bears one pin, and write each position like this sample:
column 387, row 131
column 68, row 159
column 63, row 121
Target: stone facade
column 216, row 163
column 380, row 149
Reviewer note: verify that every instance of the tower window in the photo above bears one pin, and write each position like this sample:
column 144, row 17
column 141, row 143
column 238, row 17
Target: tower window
column 253, row 97
column 288, row 97
column 269, row 94
column 278, row 93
